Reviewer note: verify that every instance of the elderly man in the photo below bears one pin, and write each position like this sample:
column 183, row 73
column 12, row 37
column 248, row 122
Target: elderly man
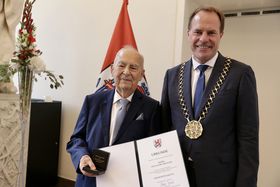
column 100, row 125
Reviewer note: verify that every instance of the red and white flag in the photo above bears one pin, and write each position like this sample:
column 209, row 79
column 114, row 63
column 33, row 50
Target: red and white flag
column 122, row 36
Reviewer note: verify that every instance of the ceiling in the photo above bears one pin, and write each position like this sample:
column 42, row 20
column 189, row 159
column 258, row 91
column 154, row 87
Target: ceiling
column 233, row 5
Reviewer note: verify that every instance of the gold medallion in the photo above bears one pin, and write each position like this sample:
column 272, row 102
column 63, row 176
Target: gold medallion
column 193, row 129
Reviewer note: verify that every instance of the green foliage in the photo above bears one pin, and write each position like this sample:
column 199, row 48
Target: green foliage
column 5, row 73
column 56, row 81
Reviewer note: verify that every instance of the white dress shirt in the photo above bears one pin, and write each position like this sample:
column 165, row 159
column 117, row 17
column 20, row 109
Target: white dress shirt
column 196, row 72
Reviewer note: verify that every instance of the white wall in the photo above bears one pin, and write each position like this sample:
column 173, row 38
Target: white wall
column 74, row 37
column 255, row 40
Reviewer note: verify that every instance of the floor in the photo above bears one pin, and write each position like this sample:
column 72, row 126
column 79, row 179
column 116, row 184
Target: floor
column 64, row 183
column 60, row 183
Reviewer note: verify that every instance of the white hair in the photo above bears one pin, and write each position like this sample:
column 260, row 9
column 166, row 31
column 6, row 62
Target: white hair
column 128, row 48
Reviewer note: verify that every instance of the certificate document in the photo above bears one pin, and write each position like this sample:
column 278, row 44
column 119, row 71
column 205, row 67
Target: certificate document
column 122, row 169
column 155, row 161
column 161, row 161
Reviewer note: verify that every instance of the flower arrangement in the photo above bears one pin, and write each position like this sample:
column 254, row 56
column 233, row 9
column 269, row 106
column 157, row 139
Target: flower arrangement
column 26, row 62
column 26, row 54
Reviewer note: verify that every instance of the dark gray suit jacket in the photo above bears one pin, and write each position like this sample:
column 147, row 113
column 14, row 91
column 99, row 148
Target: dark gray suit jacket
column 226, row 155
column 93, row 127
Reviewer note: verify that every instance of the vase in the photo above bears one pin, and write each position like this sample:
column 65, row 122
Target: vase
column 25, row 82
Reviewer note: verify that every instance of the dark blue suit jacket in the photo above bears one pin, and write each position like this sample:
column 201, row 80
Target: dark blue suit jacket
column 92, row 130
column 226, row 155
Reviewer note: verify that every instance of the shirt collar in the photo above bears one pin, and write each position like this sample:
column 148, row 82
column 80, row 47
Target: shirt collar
column 118, row 97
column 210, row 62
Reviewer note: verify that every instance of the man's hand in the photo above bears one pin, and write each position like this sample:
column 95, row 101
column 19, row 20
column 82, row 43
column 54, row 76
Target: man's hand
column 86, row 161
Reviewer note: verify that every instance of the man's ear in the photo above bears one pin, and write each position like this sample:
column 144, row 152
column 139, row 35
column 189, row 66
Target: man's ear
column 221, row 34
column 188, row 35
column 143, row 74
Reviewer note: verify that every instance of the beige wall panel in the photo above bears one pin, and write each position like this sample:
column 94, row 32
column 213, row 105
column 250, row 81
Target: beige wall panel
column 255, row 40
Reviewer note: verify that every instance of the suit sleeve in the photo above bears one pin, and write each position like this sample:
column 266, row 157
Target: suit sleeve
column 165, row 106
column 155, row 120
column 77, row 146
column 247, row 131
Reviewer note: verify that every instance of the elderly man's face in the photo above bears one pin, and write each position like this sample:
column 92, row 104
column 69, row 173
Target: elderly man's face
column 127, row 72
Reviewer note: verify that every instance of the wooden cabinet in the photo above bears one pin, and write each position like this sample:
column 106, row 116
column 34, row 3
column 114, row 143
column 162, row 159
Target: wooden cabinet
column 43, row 149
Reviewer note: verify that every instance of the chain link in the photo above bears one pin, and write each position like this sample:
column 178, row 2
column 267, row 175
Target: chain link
column 212, row 94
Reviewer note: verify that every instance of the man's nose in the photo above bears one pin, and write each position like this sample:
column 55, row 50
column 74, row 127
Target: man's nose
column 126, row 70
column 204, row 36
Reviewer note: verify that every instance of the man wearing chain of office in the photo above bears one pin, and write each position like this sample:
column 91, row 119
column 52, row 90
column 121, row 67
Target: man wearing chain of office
column 211, row 101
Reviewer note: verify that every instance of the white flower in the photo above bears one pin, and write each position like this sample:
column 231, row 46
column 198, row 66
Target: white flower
column 37, row 65
column 14, row 67
column 24, row 31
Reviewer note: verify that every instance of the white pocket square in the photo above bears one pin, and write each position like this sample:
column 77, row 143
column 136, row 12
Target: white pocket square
column 140, row 117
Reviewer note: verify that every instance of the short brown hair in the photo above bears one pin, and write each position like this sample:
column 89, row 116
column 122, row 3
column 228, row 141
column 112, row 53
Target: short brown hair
column 209, row 9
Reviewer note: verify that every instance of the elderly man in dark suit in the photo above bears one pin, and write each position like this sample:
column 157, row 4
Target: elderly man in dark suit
column 99, row 122
column 212, row 102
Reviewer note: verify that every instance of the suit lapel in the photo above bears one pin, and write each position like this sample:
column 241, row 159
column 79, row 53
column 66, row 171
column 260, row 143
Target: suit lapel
column 106, row 109
column 218, row 67
column 134, row 107
column 188, row 87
